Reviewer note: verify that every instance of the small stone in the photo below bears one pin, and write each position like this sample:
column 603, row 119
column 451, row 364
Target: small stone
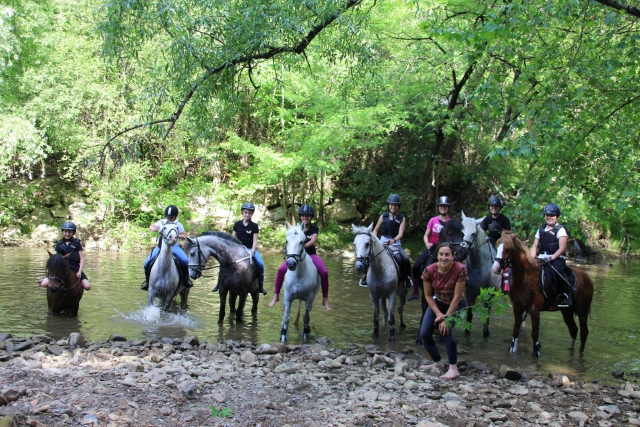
column 23, row 346
column 371, row 395
column 617, row 373
column 411, row 385
column 219, row 397
column 578, row 416
column 41, row 409
column 41, row 338
column 55, row 349
column 509, row 373
column 189, row 390
column 117, row 338
column 270, row 405
column 191, row 340
column 634, row 421
column 5, row 336
column 286, row 368
column 266, row 349
column 248, row 357
column 89, row 420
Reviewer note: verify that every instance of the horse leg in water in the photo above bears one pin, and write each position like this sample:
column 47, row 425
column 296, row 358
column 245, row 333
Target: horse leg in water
column 255, row 299
column 376, row 315
column 307, row 308
column 401, row 303
column 535, row 333
column 232, row 302
column 240, row 311
column 285, row 319
column 392, row 317
column 584, row 329
column 223, row 304
column 517, row 315
column 567, row 315
column 485, row 325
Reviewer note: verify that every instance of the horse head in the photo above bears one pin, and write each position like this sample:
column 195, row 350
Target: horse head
column 57, row 268
column 470, row 230
column 452, row 232
column 169, row 233
column 504, row 253
column 364, row 243
column 296, row 240
column 197, row 257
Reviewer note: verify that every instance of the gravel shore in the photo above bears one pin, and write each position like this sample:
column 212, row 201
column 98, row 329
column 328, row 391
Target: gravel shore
column 177, row 382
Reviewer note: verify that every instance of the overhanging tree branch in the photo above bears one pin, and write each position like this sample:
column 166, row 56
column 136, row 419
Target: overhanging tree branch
column 631, row 10
column 271, row 52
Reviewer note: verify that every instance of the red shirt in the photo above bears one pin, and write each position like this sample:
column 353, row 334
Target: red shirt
column 445, row 284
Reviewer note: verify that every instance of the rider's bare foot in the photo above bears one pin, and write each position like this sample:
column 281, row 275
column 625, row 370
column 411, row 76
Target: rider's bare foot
column 325, row 302
column 86, row 285
column 275, row 299
column 451, row 373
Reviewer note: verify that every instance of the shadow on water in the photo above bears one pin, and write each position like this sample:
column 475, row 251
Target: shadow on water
column 116, row 305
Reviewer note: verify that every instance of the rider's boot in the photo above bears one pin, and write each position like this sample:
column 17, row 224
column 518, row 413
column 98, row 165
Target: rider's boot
column 187, row 282
column 408, row 282
column 145, row 285
column 416, row 288
column 363, row 281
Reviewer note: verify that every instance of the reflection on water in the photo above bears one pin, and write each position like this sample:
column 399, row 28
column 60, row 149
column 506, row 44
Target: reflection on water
column 116, row 304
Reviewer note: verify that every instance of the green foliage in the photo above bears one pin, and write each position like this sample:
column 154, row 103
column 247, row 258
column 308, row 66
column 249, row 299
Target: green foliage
column 489, row 299
column 225, row 412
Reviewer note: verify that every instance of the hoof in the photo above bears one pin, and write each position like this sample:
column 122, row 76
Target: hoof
column 392, row 338
column 485, row 333
column 283, row 338
column 305, row 336
column 403, row 326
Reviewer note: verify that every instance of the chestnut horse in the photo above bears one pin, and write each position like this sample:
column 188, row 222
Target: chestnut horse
column 527, row 296
column 65, row 289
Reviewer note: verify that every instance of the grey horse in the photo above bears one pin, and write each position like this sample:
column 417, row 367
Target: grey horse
column 237, row 276
column 375, row 259
column 164, row 277
column 480, row 257
column 301, row 282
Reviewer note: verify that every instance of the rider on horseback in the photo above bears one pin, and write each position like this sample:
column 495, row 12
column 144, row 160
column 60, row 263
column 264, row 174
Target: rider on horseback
column 247, row 232
column 171, row 216
column 305, row 213
column 549, row 246
column 431, row 238
column 390, row 227
column 71, row 246
column 496, row 223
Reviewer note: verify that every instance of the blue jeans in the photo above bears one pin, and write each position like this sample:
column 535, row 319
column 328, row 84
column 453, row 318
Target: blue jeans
column 175, row 249
column 426, row 334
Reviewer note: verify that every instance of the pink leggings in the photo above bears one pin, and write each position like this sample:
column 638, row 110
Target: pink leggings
column 322, row 271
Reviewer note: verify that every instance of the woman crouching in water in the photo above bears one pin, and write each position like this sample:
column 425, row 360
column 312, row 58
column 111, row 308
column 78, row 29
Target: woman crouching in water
column 444, row 283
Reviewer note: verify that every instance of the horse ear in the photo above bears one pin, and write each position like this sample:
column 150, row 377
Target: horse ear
column 50, row 254
column 463, row 215
column 287, row 225
column 479, row 221
column 191, row 240
column 354, row 228
column 370, row 227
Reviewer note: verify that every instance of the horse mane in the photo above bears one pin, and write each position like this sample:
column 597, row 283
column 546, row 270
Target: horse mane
column 56, row 263
column 222, row 235
column 518, row 245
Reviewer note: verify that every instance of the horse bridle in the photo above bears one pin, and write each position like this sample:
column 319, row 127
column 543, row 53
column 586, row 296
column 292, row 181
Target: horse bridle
column 167, row 237
column 366, row 260
column 60, row 281
column 504, row 263
column 299, row 256
column 202, row 261
column 468, row 244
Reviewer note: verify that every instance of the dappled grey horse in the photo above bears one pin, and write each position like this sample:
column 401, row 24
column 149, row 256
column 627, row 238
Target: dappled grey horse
column 301, row 282
column 375, row 259
column 237, row 277
column 480, row 257
column 164, row 277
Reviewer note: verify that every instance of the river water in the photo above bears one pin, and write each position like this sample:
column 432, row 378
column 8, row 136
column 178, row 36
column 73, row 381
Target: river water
column 117, row 305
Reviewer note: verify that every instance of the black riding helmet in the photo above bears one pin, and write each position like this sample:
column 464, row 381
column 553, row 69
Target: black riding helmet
column 551, row 209
column 306, row 210
column 495, row 201
column 171, row 210
column 68, row 225
column 394, row 199
column 443, row 200
column 248, row 206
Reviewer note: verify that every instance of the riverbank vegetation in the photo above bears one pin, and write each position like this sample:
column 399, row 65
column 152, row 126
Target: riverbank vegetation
column 128, row 106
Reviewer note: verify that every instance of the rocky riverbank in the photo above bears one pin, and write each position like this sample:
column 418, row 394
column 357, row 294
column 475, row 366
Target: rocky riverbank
column 185, row 382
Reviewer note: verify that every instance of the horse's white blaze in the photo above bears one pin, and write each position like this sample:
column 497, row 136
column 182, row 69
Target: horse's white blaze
column 514, row 345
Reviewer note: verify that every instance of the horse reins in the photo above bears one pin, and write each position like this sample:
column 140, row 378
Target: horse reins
column 366, row 260
column 61, row 281
column 202, row 262
column 299, row 256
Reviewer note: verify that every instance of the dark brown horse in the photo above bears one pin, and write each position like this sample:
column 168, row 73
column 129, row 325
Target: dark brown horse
column 65, row 289
column 526, row 295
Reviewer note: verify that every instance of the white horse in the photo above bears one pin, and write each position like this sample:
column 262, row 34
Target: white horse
column 164, row 278
column 480, row 256
column 375, row 259
column 301, row 282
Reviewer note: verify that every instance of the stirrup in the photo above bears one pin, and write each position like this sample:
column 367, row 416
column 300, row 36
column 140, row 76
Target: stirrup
column 363, row 282
column 566, row 302
column 145, row 286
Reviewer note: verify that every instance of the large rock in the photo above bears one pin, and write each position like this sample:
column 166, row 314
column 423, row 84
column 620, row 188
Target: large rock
column 277, row 214
column 59, row 213
column 76, row 339
column 342, row 211
column 46, row 233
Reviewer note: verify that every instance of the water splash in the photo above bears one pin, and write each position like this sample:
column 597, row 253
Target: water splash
column 152, row 315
